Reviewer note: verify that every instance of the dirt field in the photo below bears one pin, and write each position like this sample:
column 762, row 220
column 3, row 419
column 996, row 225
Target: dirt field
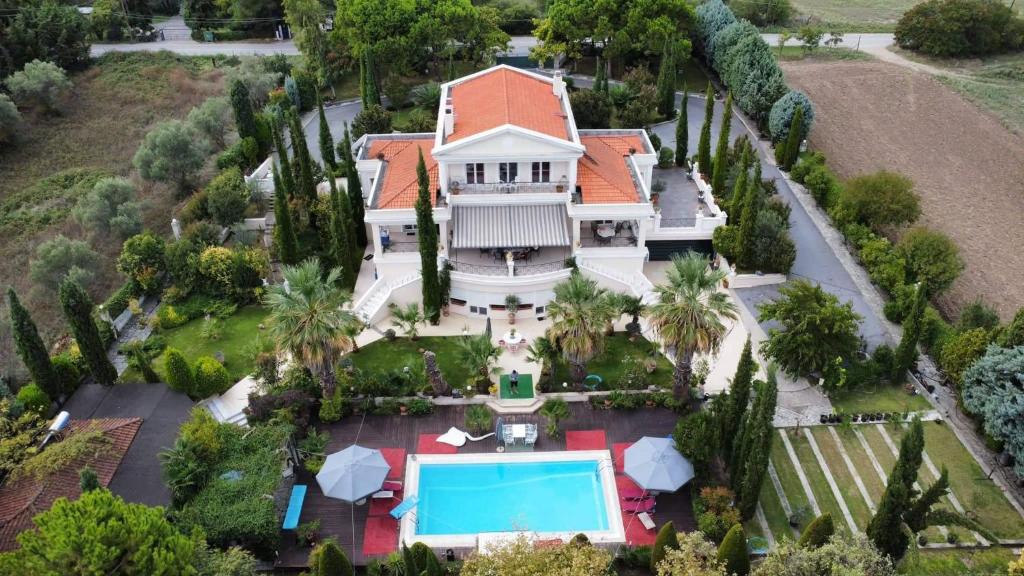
column 967, row 168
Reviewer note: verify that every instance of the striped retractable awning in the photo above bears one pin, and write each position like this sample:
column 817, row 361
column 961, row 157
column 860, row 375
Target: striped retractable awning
column 509, row 226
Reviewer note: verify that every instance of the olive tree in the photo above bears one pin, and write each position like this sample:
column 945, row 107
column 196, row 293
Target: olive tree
column 173, row 152
column 213, row 119
column 40, row 84
column 10, row 121
column 61, row 258
column 110, row 207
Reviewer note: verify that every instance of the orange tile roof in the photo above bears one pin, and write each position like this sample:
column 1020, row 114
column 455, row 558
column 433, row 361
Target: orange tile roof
column 602, row 174
column 23, row 499
column 399, row 188
column 506, row 96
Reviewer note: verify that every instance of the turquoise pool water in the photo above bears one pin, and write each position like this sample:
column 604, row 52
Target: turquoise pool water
column 504, row 497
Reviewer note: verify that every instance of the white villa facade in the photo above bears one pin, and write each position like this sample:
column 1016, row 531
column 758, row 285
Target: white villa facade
column 519, row 194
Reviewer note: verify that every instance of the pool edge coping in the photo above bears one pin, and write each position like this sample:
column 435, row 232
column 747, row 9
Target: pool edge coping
column 616, row 533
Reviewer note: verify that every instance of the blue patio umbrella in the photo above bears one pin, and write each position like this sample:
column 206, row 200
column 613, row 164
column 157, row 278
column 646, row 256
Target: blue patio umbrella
column 353, row 474
column 655, row 465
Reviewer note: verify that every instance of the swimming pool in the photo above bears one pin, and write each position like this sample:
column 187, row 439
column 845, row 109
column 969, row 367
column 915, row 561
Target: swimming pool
column 552, row 494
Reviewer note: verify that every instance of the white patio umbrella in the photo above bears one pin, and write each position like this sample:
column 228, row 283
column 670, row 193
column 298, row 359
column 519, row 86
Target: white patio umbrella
column 353, row 474
column 654, row 464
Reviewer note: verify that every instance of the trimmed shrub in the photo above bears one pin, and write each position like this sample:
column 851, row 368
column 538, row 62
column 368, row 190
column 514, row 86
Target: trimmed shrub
column 818, row 531
column 209, row 377
column 177, row 371
column 879, row 200
column 68, row 370
column 932, row 259
column 665, row 540
column 781, row 116
column 329, row 560
column 666, row 157
column 227, row 197
column 33, row 397
column 961, row 351
column 732, row 553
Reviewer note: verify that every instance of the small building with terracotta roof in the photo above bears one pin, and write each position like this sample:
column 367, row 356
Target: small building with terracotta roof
column 518, row 193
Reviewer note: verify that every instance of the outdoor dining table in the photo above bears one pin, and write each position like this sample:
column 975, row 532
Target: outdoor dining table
column 606, row 230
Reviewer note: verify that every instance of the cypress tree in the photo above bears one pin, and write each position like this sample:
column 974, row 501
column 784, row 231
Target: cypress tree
column 362, row 83
column 427, row 233
column 30, row 347
column 432, row 567
column 666, row 87
column 758, row 446
column 77, row 308
column 885, row 529
column 372, row 92
column 326, row 140
column 245, row 119
column 177, row 371
column 737, row 399
column 451, row 67
column 302, row 165
column 355, row 190
column 600, row 77
column 665, row 540
column 409, row 561
column 342, row 234
column 744, row 251
column 329, row 560
column 704, row 145
column 792, row 150
column 906, row 352
column 739, row 191
column 818, row 531
column 284, row 228
column 286, row 170
column 721, row 162
column 682, row 131
column 732, row 553
column 88, row 480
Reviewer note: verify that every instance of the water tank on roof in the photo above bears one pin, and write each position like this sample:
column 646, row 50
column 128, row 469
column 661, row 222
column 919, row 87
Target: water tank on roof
column 60, row 422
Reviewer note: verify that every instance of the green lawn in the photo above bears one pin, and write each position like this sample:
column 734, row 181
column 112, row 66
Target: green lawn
column 238, row 335
column 778, row 523
column 879, row 398
column 611, row 364
column 989, row 562
column 842, row 476
column 790, row 481
column 862, row 463
column 383, row 356
column 523, row 391
column 824, row 53
column 862, row 15
column 819, row 485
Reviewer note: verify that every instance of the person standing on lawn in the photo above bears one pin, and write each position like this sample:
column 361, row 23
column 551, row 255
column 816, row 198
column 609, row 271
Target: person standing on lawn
column 513, row 382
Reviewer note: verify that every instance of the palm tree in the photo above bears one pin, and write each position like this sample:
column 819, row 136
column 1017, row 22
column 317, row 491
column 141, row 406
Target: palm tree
column 307, row 317
column 543, row 351
column 633, row 306
column 579, row 315
column 555, row 410
column 408, row 319
column 477, row 353
column 352, row 331
column 690, row 312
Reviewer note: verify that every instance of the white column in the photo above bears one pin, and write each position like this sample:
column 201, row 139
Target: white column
column 442, row 238
column 442, row 176
column 378, row 248
column 575, row 234
column 641, row 235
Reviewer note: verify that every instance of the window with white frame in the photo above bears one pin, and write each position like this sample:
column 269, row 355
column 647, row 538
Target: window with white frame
column 508, row 171
column 542, row 171
column 475, row 173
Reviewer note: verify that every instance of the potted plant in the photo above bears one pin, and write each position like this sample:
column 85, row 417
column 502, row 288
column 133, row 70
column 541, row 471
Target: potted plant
column 308, row 533
column 512, row 306
column 403, row 409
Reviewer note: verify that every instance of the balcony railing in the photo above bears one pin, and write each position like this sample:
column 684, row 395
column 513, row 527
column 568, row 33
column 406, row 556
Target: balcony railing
column 619, row 241
column 402, row 246
column 678, row 222
column 505, row 188
column 518, row 269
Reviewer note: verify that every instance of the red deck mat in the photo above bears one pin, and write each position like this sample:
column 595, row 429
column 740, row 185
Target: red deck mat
column 428, row 444
column 395, row 458
column 619, row 454
column 585, row 440
column 383, row 506
column 636, row 534
column 623, row 481
column 380, row 536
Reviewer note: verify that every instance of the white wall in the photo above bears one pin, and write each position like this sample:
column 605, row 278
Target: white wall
column 559, row 169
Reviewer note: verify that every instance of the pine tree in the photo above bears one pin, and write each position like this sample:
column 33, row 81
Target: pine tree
column 355, row 190
column 372, row 92
column 30, row 347
column 600, row 77
column 704, row 145
column 906, row 352
column 721, row 162
column 77, row 308
column 245, row 119
column 818, row 531
column 342, row 234
column 302, row 165
column 427, row 232
column 666, row 87
column 737, row 400
column 732, row 552
column 286, row 169
column 665, row 540
column 744, row 251
column 682, row 131
column 792, row 150
column 88, row 480
column 326, row 141
column 284, row 228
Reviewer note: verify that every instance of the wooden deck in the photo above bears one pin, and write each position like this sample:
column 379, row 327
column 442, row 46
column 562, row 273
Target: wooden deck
column 345, row 522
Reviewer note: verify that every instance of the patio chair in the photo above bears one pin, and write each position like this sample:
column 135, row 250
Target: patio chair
column 639, row 506
column 646, row 520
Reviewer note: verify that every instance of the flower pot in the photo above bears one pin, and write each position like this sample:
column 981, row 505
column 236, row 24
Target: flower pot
column 607, row 403
column 511, row 318
column 649, row 403
column 403, row 410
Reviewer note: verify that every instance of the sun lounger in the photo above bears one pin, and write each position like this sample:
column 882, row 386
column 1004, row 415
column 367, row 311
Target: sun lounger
column 636, row 507
column 646, row 520
column 404, row 508
column 629, row 493
column 393, row 485
column 291, row 516
column 383, row 495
